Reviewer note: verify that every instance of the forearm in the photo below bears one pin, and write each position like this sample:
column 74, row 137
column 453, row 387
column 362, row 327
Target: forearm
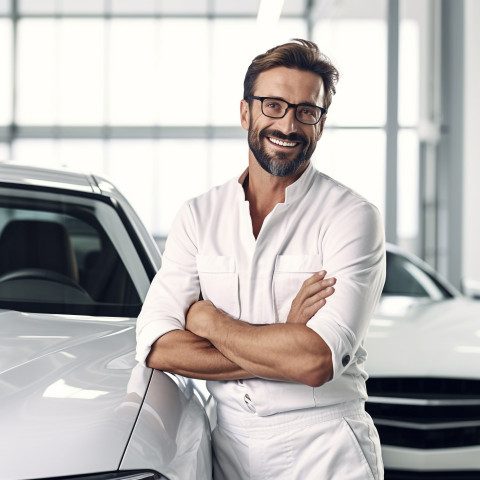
column 287, row 352
column 184, row 353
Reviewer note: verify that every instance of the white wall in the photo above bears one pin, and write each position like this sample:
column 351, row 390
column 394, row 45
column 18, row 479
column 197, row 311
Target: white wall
column 471, row 193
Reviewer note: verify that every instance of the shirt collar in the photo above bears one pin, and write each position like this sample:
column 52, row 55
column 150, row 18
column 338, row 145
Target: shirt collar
column 293, row 191
column 298, row 189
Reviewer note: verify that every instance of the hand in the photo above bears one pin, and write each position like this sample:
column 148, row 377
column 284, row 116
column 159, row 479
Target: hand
column 198, row 316
column 311, row 298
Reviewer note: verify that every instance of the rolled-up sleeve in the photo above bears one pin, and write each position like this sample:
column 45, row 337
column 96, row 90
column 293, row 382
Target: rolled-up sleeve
column 174, row 288
column 354, row 253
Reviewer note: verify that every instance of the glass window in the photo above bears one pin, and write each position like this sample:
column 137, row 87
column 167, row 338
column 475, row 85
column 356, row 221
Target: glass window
column 182, row 174
column 355, row 158
column 37, row 80
column 36, row 6
column 60, row 72
column 231, row 59
column 56, row 257
column 40, row 152
column 229, row 64
column 132, row 84
column 355, row 39
column 6, row 69
column 415, row 60
column 182, row 72
column 129, row 7
column 78, row 155
column 82, row 155
column 88, row 7
column 174, row 7
column 237, row 8
column 409, row 74
column 4, row 152
column 229, row 158
column 294, row 7
column 4, row 6
column 79, row 63
column 131, row 165
column 405, row 278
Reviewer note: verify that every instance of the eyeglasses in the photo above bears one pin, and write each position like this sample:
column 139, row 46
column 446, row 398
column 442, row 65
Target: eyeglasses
column 277, row 108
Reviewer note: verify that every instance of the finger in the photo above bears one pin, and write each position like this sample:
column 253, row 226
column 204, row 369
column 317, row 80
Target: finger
column 312, row 289
column 314, row 278
column 310, row 311
column 322, row 295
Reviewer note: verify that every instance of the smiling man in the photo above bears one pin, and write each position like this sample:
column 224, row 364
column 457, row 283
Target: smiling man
column 241, row 298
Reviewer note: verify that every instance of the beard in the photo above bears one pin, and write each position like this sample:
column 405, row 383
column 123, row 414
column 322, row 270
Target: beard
column 279, row 164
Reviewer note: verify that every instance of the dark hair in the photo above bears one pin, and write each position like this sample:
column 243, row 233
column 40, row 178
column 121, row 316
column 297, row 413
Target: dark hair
column 300, row 54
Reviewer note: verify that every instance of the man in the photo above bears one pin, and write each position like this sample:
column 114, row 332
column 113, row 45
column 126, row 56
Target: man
column 285, row 365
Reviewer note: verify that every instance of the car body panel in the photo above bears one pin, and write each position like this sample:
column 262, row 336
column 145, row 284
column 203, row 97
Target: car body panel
column 409, row 338
column 42, row 177
column 62, row 384
column 172, row 411
column 73, row 400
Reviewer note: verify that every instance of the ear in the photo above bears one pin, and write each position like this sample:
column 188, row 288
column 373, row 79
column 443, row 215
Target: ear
column 245, row 114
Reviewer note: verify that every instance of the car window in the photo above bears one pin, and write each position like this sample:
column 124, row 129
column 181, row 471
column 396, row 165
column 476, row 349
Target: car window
column 58, row 255
column 405, row 278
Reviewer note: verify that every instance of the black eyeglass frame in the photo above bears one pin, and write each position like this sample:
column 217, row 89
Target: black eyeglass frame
column 290, row 105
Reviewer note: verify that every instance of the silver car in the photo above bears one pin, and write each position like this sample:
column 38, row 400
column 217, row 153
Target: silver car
column 75, row 266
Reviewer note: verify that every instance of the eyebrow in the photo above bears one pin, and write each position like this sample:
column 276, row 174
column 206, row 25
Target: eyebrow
column 301, row 103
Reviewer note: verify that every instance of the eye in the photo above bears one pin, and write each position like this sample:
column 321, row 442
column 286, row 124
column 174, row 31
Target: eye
column 308, row 111
column 273, row 105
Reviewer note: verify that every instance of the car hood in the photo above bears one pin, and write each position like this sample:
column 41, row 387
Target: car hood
column 424, row 338
column 63, row 385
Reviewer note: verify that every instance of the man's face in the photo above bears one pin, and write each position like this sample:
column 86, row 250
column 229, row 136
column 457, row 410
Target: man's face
column 283, row 146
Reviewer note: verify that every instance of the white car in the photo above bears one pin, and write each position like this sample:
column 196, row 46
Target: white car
column 75, row 266
column 424, row 365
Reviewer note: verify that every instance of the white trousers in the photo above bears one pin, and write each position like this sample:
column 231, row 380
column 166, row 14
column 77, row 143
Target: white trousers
column 338, row 442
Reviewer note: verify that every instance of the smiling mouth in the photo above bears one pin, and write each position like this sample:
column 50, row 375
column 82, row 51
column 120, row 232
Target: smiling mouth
column 282, row 143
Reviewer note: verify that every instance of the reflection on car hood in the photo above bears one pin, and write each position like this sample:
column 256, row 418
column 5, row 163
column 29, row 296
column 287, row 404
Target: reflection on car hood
column 425, row 338
column 63, row 382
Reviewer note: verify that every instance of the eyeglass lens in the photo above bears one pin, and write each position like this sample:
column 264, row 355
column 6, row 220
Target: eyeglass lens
column 308, row 114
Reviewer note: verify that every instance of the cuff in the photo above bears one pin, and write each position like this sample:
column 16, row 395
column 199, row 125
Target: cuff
column 148, row 335
column 339, row 339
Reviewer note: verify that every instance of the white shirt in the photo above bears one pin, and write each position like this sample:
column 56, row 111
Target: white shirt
column 211, row 249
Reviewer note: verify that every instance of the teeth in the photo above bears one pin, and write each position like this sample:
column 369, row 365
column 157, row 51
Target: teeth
column 283, row 144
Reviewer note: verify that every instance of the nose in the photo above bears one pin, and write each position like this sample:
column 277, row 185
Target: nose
column 288, row 123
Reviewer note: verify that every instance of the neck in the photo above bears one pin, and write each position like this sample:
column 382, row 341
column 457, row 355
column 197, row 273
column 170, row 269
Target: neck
column 264, row 190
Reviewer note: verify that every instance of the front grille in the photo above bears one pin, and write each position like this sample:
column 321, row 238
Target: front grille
column 452, row 475
column 425, row 413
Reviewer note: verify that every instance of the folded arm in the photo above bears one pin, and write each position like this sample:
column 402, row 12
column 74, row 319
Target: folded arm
column 184, row 353
column 285, row 351
column 217, row 347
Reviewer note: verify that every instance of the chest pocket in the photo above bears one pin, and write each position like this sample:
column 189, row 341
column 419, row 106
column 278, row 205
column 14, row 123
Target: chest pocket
column 290, row 272
column 219, row 282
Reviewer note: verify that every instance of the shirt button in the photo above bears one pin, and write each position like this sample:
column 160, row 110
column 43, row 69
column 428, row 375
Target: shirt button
column 345, row 360
column 249, row 403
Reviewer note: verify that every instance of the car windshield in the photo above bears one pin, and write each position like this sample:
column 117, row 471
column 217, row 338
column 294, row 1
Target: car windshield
column 406, row 279
column 66, row 254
